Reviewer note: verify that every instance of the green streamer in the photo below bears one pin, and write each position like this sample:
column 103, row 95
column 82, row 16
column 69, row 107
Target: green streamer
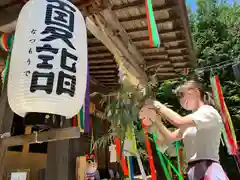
column 155, row 35
column 6, row 68
column 177, row 143
column 174, row 169
column 5, row 71
column 161, row 158
column 82, row 117
column 91, row 144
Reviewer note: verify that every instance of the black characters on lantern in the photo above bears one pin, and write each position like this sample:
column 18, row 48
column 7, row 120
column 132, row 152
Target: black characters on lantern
column 48, row 87
column 59, row 20
column 66, row 84
column 46, row 57
column 62, row 16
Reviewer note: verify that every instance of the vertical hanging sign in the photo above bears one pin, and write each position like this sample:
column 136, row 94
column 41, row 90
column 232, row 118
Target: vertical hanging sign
column 48, row 68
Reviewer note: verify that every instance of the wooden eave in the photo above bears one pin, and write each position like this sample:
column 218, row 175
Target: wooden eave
column 124, row 27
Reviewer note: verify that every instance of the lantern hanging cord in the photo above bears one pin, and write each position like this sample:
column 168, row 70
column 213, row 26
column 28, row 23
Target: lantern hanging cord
column 211, row 68
column 221, row 65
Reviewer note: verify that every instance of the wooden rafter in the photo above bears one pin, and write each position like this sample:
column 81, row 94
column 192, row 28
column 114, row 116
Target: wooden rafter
column 106, row 36
column 138, row 3
column 113, row 21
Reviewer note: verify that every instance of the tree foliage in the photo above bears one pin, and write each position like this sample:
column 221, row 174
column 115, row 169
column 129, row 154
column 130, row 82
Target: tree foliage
column 215, row 27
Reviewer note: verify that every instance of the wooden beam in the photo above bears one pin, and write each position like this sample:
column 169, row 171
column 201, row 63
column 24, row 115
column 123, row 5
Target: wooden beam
column 137, row 3
column 105, row 76
column 47, row 136
column 176, row 27
column 102, row 72
column 107, row 54
column 105, row 61
column 114, row 23
column 100, row 33
column 100, row 58
column 185, row 24
column 167, row 74
column 105, row 80
column 158, row 64
column 28, row 130
column 110, row 66
column 101, row 48
column 156, row 58
column 161, row 69
column 172, row 17
column 178, row 35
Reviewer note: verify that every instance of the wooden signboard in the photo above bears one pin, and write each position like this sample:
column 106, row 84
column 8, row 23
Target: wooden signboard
column 19, row 175
column 81, row 165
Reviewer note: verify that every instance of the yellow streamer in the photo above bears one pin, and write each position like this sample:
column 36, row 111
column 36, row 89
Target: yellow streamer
column 230, row 123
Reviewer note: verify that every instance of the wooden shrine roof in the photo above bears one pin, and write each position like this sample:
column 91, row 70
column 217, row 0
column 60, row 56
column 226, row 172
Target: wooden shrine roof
column 126, row 19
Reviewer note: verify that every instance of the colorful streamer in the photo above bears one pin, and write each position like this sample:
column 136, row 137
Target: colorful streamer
column 140, row 164
column 149, row 151
column 152, row 26
column 78, row 120
column 5, row 71
column 165, row 170
column 87, row 104
column 181, row 160
column 130, row 168
column 177, row 143
column 162, row 157
column 122, row 159
column 6, row 41
column 229, row 137
column 173, row 168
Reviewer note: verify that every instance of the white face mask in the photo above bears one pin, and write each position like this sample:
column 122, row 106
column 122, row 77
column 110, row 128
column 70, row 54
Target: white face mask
column 188, row 102
column 189, row 105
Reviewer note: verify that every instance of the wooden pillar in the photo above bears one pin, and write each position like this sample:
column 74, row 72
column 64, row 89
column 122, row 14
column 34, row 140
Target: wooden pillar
column 6, row 118
column 58, row 160
column 28, row 130
column 81, row 168
column 62, row 155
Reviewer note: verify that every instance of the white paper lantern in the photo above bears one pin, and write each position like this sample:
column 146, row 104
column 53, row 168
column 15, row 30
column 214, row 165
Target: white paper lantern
column 48, row 68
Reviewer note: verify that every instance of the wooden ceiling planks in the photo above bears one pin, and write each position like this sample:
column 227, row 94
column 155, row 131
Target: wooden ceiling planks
column 128, row 27
column 175, row 46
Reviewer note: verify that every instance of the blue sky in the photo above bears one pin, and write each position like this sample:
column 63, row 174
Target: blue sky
column 192, row 3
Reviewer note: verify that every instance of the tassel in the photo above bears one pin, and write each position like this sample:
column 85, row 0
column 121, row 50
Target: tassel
column 149, row 151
